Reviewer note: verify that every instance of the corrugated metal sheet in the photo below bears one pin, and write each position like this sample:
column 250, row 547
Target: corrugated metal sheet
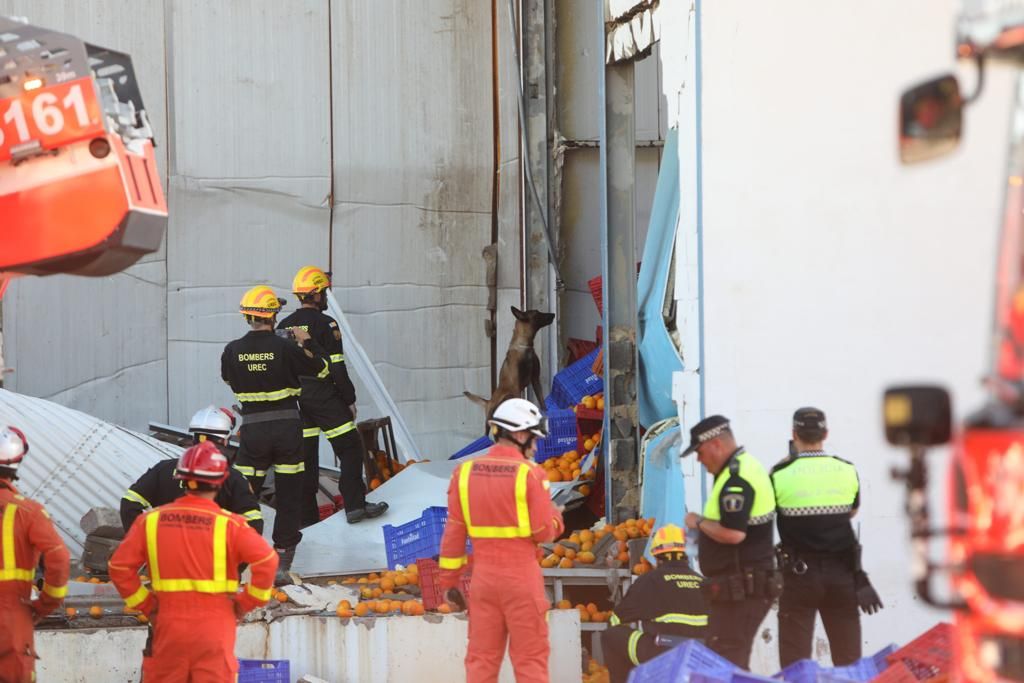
column 75, row 461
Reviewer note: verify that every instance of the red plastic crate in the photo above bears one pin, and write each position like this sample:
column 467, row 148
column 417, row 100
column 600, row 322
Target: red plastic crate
column 595, row 288
column 328, row 509
column 928, row 655
column 430, row 583
column 897, row 673
column 579, row 348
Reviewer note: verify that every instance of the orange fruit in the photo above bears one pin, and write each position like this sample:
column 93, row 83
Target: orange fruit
column 586, row 557
column 566, row 563
column 549, row 561
column 374, row 576
column 564, row 604
column 345, row 613
column 81, row 579
column 94, row 580
column 401, row 580
column 639, row 568
column 142, row 618
column 387, row 585
column 444, row 608
column 366, row 593
column 586, row 546
column 281, row 596
column 574, row 538
column 570, row 554
column 414, row 579
column 418, row 609
column 633, row 532
column 588, row 444
column 377, row 592
column 586, row 536
column 381, row 607
column 362, row 579
column 406, row 607
column 584, row 616
column 592, row 608
column 362, row 609
column 624, row 556
column 344, row 604
column 585, row 490
column 374, row 484
column 70, row 612
column 559, row 550
column 395, row 606
column 620, row 534
column 95, row 611
column 554, row 475
column 600, row 403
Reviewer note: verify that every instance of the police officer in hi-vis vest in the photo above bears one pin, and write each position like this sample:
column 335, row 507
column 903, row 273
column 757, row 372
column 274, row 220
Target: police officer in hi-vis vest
column 816, row 495
column 736, row 551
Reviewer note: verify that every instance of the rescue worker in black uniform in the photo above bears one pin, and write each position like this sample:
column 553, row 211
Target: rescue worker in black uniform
column 667, row 601
column 816, row 495
column 737, row 554
column 158, row 486
column 263, row 370
column 328, row 405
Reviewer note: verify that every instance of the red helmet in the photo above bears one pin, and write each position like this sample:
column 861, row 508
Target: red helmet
column 13, row 447
column 202, row 463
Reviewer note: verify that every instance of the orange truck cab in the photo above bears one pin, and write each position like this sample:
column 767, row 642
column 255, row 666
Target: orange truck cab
column 985, row 496
column 79, row 187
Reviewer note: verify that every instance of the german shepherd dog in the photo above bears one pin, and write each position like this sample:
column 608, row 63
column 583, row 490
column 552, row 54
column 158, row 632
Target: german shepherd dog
column 521, row 366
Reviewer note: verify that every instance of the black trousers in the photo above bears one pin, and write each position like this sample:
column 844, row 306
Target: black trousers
column 826, row 588
column 623, row 648
column 323, row 412
column 732, row 626
column 277, row 446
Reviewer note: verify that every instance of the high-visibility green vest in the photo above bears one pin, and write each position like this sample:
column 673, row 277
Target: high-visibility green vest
column 747, row 467
column 817, row 484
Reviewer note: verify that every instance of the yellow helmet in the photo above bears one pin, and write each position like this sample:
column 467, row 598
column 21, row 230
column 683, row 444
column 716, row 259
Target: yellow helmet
column 310, row 280
column 260, row 302
column 668, row 539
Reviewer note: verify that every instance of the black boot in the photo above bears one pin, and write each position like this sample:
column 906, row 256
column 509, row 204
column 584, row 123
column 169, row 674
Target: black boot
column 284, row 563
column 369, row 512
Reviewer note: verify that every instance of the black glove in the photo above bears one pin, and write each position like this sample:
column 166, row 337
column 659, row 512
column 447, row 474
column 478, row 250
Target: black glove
column 454, row 596
column 867, row 597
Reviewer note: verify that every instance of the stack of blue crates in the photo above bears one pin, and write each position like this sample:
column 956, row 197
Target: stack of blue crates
column 864, row 669
column 561, row 436
column 571, row 384
column 264, row 671
column 684, row 663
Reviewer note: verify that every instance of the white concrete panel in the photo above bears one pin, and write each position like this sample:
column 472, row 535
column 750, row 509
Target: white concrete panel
column 96, row 344
column 250, row 88
column 830, row 271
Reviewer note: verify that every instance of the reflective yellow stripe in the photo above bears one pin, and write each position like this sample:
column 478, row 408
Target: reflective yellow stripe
column 154, row 566
column 521, row 530
column 311, row 431
column 338, row 431
column 337, row 358
column 685, row 619
column 247, row 471
column 137, row 598
column 134, row 497
column 256, row 396
column 17, row 574
column 8, row 540
column 57, row 592
column 325, row 372
column 259, row 593
column 253, row 515
column 634, row 638
column 614, row 620
column 220, row 550
column 197, row 585
column 451, row 562
column 297, row 468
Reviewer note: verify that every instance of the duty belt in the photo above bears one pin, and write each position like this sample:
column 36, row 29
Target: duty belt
column 270, row 416
column 749, row 583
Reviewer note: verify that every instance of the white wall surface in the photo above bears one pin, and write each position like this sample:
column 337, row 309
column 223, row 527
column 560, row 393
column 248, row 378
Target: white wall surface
column 829, row 270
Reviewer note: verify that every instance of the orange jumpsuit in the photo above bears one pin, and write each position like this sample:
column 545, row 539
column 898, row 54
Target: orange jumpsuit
column 26, row 532
column 192, row 548
column 501, row 501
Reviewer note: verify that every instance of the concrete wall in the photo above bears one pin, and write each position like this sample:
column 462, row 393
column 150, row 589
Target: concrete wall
column 386, row 650
column 829, row 271
column 247, row 98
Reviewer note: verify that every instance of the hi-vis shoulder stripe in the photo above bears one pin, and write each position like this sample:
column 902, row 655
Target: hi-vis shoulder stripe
column 323, row 374
column 257, row 396
column 133, row 497
column 337, row 358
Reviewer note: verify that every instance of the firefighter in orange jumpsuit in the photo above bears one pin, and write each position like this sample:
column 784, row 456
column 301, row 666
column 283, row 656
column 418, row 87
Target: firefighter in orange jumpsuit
column 501, row 502
column 27, row 533
column 193, row 548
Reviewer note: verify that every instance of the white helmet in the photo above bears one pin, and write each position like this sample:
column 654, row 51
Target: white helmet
column 219, row 422
column 519, row 415
column 13, row 447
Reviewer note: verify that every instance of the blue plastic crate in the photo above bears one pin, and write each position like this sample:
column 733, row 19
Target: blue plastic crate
column 680, row 664
column 480, row 444
column 804, row 671
column 747, row 677
column 561, row 436
column 711, row 677
column 576, row 381
column 418, row 539
column 264, row 671
column 864, row 669
column 549, row 404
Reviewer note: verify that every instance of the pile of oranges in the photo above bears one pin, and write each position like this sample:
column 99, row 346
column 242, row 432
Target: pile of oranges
column 588, row 612
column 375, row 589
column 593, row 402
column 388, row 469
column 596, row 673
column 566, row 467
column 365, row 608
column 567, row 556
column 375, row 585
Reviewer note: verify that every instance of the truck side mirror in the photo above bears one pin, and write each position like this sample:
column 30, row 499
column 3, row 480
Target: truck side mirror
column 931, row 118
column 917, row 416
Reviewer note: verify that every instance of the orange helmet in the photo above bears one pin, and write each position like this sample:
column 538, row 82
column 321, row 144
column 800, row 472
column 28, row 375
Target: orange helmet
column 668, row 539
column 260, row 302
column 310, row 280
column 202, row 463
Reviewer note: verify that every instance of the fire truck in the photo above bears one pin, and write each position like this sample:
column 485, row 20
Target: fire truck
column 984, row 529
column 79, row 188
